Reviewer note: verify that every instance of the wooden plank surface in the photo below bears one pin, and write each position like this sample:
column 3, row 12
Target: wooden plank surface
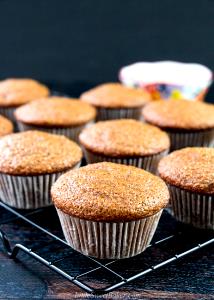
column 25, row 278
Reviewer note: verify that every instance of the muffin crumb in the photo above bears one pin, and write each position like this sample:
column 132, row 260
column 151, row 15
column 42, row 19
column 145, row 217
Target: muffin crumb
column 109, row 192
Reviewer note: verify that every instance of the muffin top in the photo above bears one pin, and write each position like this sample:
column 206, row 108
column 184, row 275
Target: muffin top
column 14, row 92
column 6, row 126
column 110, row 192
column 124, row 137
column 37, row 152
column 55, row 111
column 189, row 168
column 115, row 95
column 180, row 114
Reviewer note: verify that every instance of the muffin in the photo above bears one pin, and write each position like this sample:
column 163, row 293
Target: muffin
column 109, row 210
column 59, row 115
column 6, row 126
column 115, row 101
column 125, row 141
column 15, row 92
column 189, row 174
column 30, row 162
column 187, row 123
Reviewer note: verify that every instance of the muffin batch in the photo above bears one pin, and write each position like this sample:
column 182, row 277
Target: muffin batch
column 189, row 173
column 115, row 101
column 15, row 92
column 59, row 115
column 125, row 141
column 111, row 207
column 89, row 205
column 30, row 162
column 188, row 123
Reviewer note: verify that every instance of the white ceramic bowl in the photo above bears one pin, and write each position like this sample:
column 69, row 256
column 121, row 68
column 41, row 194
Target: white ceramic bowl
column 168, row 79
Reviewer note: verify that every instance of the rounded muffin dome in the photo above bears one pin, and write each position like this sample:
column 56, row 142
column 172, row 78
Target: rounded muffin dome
column 17, row 91
column 55, row 111
column 180, row 114
column 109, row 192
column 6, row 126
column 115, row 95
column 189, row 168
column 37, row 152
column 124, row 137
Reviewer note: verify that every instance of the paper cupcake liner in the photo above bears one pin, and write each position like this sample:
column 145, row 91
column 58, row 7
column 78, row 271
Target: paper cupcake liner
column 108, row 240
column 70, row 132
column 8, row 112
column 27, row 192
column 203, row 138
column 118, row 113
column 148, row 163
column 192, row 208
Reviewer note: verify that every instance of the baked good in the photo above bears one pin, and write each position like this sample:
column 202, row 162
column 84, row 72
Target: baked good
column 125, row 141
column 102, row 198
column 17, row 91
column 189, row 174
column 6, row 126
column 115, row 101
column 188, row 123
column 30, row 162
column 59, row 115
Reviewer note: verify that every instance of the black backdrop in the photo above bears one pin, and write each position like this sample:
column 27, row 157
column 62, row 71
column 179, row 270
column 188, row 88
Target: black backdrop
column 72, row 45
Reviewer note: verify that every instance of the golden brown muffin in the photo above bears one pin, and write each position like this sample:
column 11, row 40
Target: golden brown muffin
column 189, row 168
column 36, row 152
column 55, row 112
column 15, row 92
column 6, row 126
column 180, row 114
column 109, row 192
column 124, row 137
column 115, row 95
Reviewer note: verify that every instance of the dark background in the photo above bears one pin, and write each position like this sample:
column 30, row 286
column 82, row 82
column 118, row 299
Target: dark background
column 73, row 45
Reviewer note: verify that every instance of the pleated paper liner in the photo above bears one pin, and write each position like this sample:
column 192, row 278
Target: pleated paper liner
column 28, row 192
column 8, row 112
column 192, row 208
column 118, row 113
column 148, row 163
column 70, row 132
column 108, row 240
column 198, row 138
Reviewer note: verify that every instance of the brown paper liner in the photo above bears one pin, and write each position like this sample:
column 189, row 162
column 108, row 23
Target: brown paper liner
column 192, row 208
column 70, row 132
column 202, row 138
column 27, row 192
column 8, row 112
column 108, row 240
column 148, row 163
column 118, row 113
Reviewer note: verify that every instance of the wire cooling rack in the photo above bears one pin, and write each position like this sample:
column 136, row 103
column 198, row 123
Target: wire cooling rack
column 92, row 275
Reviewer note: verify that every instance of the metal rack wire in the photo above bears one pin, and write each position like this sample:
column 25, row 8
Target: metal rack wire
column 87, row 278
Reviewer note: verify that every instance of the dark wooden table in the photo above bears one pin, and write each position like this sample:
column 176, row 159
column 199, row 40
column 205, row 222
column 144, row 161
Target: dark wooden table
column 24, row 278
